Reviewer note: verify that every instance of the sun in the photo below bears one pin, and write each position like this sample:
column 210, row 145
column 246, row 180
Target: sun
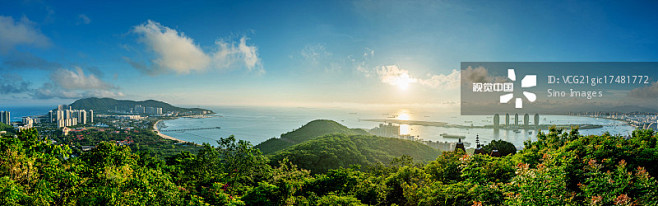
column 403, row 115
column 403, row 81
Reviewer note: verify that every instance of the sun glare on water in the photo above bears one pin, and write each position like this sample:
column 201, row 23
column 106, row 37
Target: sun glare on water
column 404, row 128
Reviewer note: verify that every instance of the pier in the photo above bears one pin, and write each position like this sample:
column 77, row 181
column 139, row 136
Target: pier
column 189, row 129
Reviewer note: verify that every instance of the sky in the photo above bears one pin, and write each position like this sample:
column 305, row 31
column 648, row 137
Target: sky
column 297, row 53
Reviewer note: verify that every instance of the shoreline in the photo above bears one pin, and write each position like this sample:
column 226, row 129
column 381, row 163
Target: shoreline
column 164, row 136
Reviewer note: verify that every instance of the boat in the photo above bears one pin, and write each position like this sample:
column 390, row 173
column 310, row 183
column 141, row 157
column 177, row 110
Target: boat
column 445, row 135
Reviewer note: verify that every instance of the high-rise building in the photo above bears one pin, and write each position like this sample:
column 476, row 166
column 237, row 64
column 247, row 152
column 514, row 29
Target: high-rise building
column 60, row 114
column 67, row 114
column 28, row 122
column 82, row 117
column 159, row 111
column 61, row 123
column 139, row 109
column 5, row 117
column 66, row 117
column 91, row 116
column 496, row 121
column 50, row 114
column 536, row 120
column 507, row 119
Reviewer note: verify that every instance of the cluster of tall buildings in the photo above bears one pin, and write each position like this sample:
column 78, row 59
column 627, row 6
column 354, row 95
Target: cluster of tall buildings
column 526, row 120
column 65, row 116
column 139, row 109
column 29, row 122
column 5, row 117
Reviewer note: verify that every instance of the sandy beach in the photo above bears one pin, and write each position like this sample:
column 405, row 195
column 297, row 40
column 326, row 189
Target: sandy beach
column 155, row 128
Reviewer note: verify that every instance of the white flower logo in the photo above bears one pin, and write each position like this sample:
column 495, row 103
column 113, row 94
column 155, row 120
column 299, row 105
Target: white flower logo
column 527, row 82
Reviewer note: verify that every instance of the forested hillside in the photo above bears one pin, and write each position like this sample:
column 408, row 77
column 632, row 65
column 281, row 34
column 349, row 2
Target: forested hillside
column 311, row 130
column 558, row 169
column 332, row 151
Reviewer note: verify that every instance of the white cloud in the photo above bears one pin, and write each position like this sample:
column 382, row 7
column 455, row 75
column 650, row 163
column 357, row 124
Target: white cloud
column 315, row 57
column 449, row 81
column 480, row 74
column 77, row 79
column 71, row 84
column 21, row 32
column 368, row 53
column 228, row 54
column 362, row 64
column 315, row 53
column 396, row 76
column 178, row 53
column 13, row 84
column 248, row 53
column 83, row 19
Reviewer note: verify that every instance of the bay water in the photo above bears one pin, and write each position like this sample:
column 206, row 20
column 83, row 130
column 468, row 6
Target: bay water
column 257, row 124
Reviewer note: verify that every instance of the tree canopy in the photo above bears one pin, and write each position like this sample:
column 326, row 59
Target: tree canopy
column 561, row 168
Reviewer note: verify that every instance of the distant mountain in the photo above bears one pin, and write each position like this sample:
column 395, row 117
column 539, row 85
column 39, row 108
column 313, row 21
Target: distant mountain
column 632, row 108
column 109, row 104
column 311, row 130
column 339, row 150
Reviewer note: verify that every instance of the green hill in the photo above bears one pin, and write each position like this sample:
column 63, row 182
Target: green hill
column 109, row 104
column 339, row 150
column 311, row 130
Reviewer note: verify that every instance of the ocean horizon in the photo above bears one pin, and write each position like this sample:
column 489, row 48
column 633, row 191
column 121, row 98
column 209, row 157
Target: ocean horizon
column 257, row 124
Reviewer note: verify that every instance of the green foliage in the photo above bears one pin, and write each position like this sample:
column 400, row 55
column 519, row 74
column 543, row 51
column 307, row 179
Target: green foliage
column 558, row 169
column 483, row 169
column 504, row 148
column 541, row 186
column 446, row 167
column 311, row 130
column 334, row 151
column 335, row 200
column 609, row 187
column 8, row 128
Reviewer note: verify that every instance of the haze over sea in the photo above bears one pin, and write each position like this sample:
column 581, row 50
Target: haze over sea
column 257, row 124
column 18, row 112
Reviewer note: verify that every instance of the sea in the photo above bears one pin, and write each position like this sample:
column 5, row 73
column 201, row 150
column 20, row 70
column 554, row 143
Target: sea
column 257, row 124
column 18, row 112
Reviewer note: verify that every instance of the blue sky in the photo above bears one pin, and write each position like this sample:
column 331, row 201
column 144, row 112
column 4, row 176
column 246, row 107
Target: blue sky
column 297, row 53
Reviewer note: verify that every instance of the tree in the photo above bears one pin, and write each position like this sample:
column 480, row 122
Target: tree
column 504, row 148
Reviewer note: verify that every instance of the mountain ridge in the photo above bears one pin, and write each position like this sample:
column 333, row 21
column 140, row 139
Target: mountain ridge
column 106, row 104
column 309, row 131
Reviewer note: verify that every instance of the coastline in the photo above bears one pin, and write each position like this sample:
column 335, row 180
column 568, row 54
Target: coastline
column 155, row 128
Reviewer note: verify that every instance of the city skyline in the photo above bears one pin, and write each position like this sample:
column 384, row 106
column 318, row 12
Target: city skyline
column 296, row 53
